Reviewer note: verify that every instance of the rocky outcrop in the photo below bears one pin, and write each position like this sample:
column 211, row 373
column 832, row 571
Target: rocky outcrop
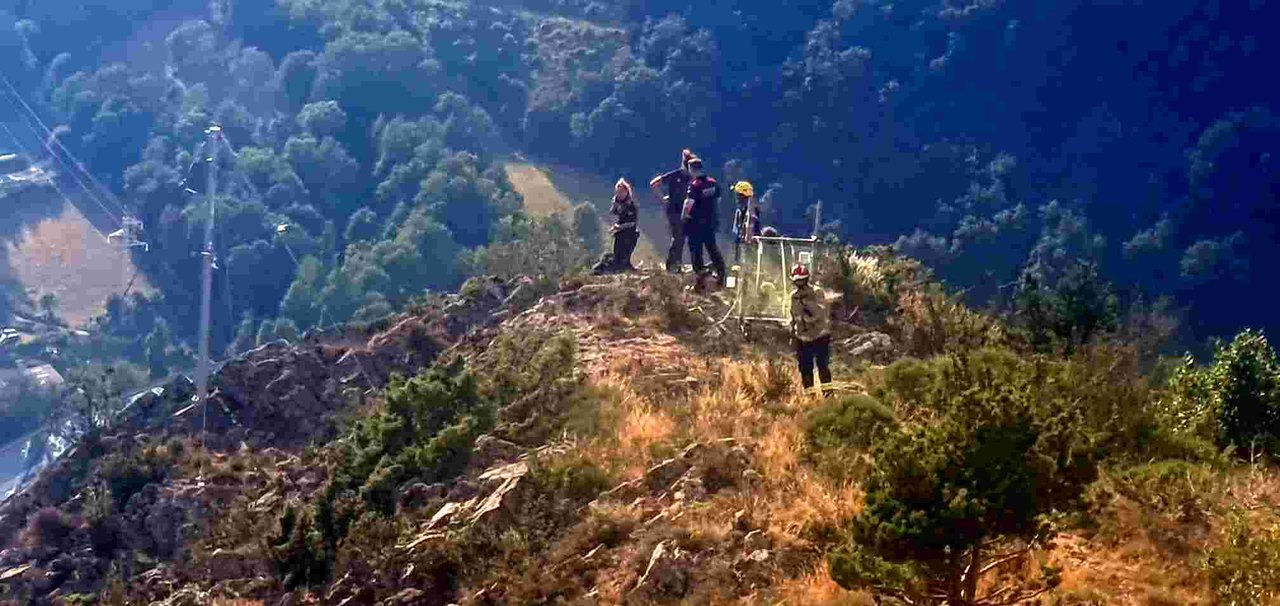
column 874, row 347
column 285, row 395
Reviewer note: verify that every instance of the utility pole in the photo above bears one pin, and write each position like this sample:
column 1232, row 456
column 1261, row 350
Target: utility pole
column 206, row 279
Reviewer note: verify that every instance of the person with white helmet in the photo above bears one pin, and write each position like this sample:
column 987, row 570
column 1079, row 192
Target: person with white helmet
column 811, row 328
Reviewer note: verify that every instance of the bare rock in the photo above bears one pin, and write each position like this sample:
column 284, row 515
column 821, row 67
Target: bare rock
column 875, row 347
column 225, row 564
column 489, row 450
column 419, row 494
column 689, row 488
column 409, row 596
column 663, row 474
column 667, row 575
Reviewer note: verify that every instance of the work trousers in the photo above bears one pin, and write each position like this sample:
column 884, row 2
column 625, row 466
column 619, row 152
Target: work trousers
column 624, row 243
column 675, row 254
column 814, row 352
column 705, row 237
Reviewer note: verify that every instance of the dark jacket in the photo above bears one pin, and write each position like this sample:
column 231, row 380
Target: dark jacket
column 705, row 194
column 626, row 212
column 677, row 182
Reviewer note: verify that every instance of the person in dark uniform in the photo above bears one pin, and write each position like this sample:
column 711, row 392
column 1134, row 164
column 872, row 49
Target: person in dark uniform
column 699, row 215
column 625, row 231
column 677, row 185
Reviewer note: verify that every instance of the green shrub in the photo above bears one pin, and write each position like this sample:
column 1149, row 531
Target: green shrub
column 998, row 446
column 1235, row 401
column 578, row 480
column 298, row 551
column 1245, row 568
column 425, row 433
column 852, row 422
column 1171, row 495
column 127, row 474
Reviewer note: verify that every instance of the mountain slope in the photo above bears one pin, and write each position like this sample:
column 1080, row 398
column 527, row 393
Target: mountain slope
column 633, row 454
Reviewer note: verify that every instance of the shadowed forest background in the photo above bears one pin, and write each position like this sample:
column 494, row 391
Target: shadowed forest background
column 1027, row 151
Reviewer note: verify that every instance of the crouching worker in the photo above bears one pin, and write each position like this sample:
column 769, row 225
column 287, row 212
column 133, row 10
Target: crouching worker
column 811, row 328
column 624, row 230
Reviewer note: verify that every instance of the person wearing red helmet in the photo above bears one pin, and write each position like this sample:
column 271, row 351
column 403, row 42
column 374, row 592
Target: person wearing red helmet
column 811, row 328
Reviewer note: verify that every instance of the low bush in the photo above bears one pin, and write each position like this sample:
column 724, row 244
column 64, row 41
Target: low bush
column 1245, row 567
column 995, row 445
column 852, row 422
column 1235, row 401
column 127, row 474
column 298, row 550
column 48, row 527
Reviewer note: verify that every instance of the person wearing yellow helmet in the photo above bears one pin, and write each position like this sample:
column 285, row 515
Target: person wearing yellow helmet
column 746, row 219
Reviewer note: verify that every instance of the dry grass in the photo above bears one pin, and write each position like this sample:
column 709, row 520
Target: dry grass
column 752, row 402
column 817, row 589
column 553, row 188
column 64, row 256
column 540, row 195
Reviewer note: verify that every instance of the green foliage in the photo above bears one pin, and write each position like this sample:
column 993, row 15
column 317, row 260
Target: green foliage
column 576, row 479
column 995, row 446
column 1235, row 401
column 323, row 118
column 840, row 434
column 533, row 246
column 298, row 551
column 1068, row 312
column 95, row 393
column 586, row 225
column 425, row 434
column 126, row 474
column 855, row 422
column 1245, row 568
column 534, row 373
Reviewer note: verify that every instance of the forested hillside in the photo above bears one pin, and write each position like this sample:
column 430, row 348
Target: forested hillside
column 1021, row 148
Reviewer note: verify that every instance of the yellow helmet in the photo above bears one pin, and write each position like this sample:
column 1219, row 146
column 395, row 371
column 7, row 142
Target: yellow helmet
column 744, row 189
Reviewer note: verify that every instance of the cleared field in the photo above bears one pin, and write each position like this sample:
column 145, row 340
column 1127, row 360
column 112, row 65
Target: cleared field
column 63, row 255
column 551, row 188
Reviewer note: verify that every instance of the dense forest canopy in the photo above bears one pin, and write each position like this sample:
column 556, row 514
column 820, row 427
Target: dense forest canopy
column 1006, row 143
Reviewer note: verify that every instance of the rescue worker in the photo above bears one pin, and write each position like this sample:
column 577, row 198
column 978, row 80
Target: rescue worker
column 677, row 184
column 699, row 217
column 625, row 231
column 746, row 219
column 811, row 329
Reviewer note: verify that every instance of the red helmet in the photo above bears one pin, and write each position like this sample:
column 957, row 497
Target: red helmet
column 799, row 272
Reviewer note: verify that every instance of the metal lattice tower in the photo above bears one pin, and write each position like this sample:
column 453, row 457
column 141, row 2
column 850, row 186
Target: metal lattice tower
column 125, row 239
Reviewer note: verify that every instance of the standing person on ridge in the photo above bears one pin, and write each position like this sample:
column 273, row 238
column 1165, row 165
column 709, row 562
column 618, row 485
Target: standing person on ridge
column 677, row 182
column 811, row 328
column 625, row 231
column 699, row 217
column 746, row 219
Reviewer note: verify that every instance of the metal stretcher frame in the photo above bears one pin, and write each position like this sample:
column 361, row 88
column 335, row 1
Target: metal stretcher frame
column 791, row 251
